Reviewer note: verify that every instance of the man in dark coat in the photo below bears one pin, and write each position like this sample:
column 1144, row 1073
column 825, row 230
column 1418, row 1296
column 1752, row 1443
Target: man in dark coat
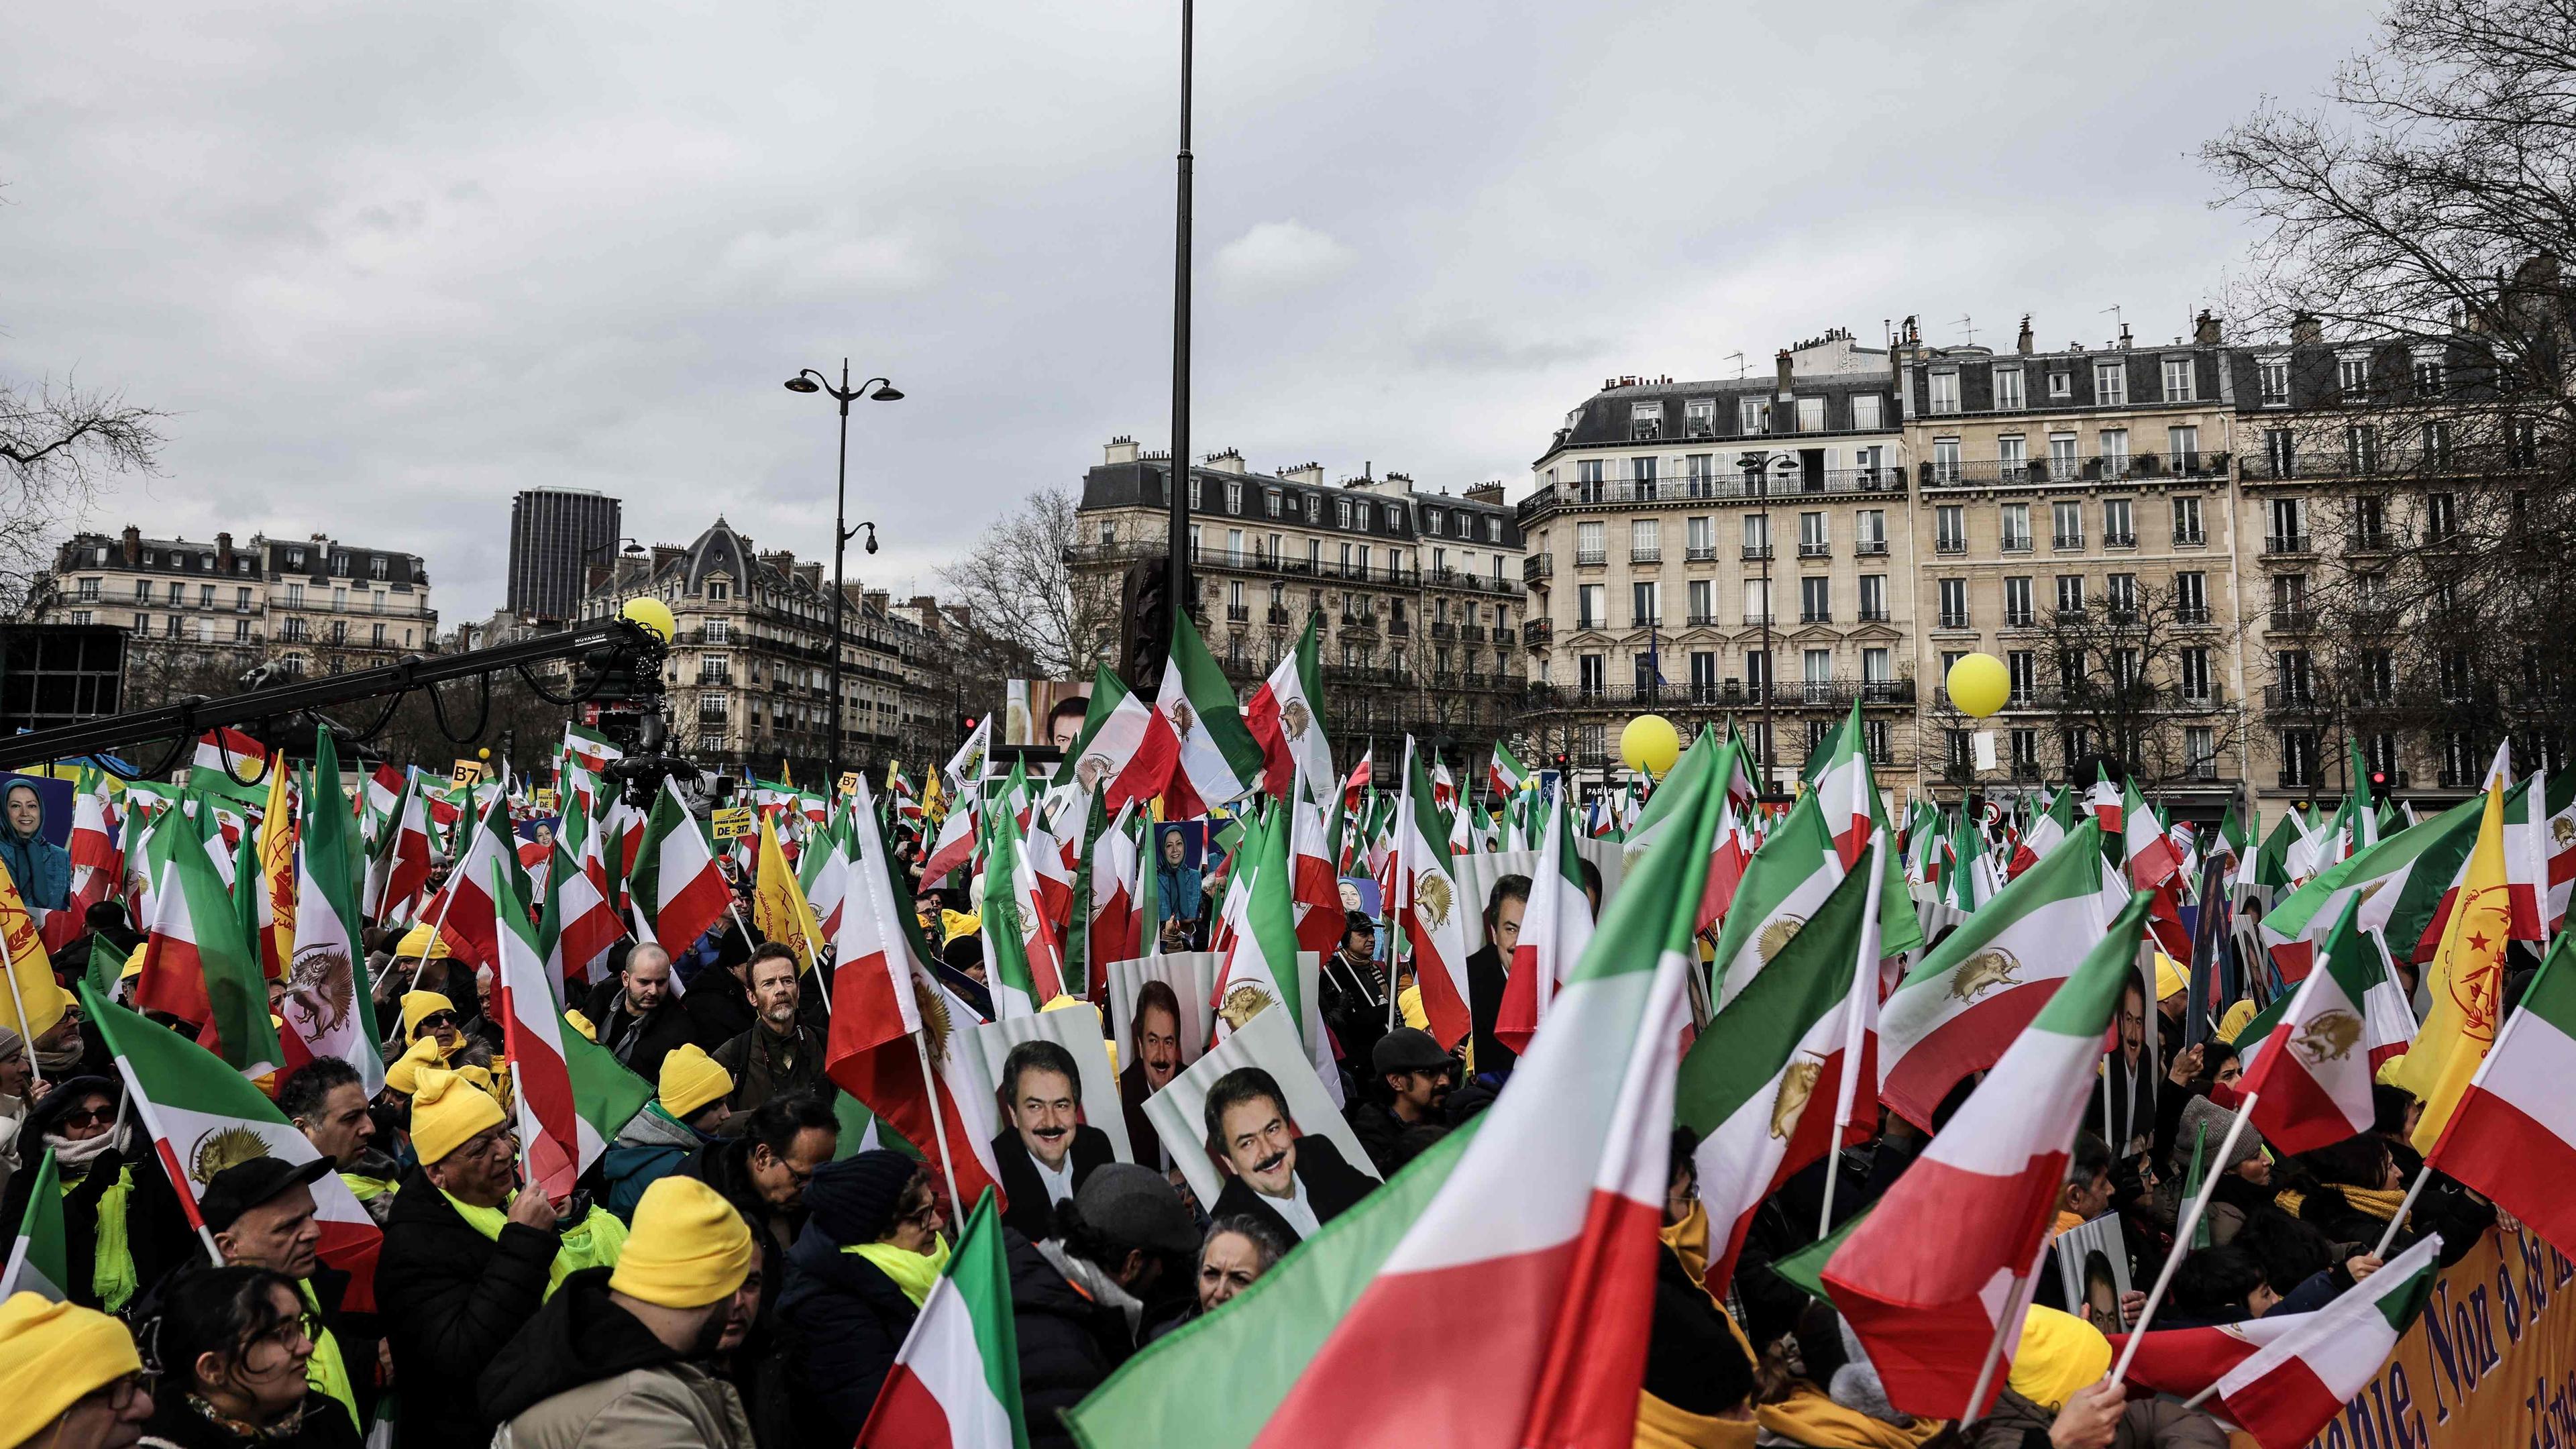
column 1410, row 1089
column 1485, row 974
column 638, row 1017
column 763, row 1173
column 1155, row 1031
column 1296, row 1183
column 1047, row 1150
column 779, row 1052
column 719, row 998
column 1068, row 1343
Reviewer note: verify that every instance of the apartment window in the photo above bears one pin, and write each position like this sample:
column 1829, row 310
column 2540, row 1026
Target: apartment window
column 1950, row 528
column 377, row 633
column 1703, row 602
column 2120, row 593
column 2012, row 458
column 2062, row 463
column 294, row 558
column 2115, row 452
column 1645, row 604
column 1342, row 506
column 295, row 596
column 2352, row 376
column 2177, row 379
column 1752, row 415
column 2428, row 374
column 1874, row 670
column 1757, row 601
column 2021, row 666
column 143, row 623
column 2280, row 453
column 1314, row 555
column 2119, row 529
column 2008, row 393
column 1591, row 606
column 2375, row 674
column 1954, row 603
column 2290, row 667
column 1645, row 540
column 1270, row 502
column 2070, row 593
column 1645, row 421
column 1868, row 412
column 719, row 631
column 1197, row 492
column 1812, row 540
column 1234, row 545
column 1873, row 598
column 1703, row 674
column 1591, row 672
column 2272, row 380
column 2191, row 597
column 80, row 616
column 1591, row 543
column 2441, row 519
column 1364, row 560
column 2016, row 527
column 2436, row 445
column 1699, row 417
column 376, row 602
column 1815, row 601
column 1700, row 469
column 178, row 593
column 1811, row 415
column 1945, row 392
column 89, row 591
column 2017, row 611
column 1700, row 532
column 1869, row 531
column 2061, row 384
column 1108, row 533
column 241, row 631
column 2182, row 448
column 2110, row 384
column 719, row 592
column 2066, row 520
column 2200, row 751
column 2192, row 671
column 1757, row 535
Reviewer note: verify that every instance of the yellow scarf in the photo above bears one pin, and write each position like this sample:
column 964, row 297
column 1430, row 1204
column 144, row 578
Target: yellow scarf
column 2379, row 1202
column 1808, row 1417
column 912, row 1272
column 595, row 1244
column 1661, row 1426
column 327, row 1372
column 112, row 1275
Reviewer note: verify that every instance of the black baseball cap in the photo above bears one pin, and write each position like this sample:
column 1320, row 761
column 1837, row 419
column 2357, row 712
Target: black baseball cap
column 245, row 1185
column 1409, row 1049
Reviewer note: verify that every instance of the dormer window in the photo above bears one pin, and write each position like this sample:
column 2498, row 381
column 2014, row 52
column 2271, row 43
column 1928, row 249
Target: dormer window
column 1645, row 421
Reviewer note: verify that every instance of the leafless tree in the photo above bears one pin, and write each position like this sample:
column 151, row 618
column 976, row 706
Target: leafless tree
column 56, row 443
column 1019, row 589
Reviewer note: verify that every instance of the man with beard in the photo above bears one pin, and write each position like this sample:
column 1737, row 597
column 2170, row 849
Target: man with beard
column 640, row 1019
column 1297, row 1183
column 613, row 1358
column 1155, row 1031
column 1047, row 1150
column 1413, row 1076
column 780, row 1053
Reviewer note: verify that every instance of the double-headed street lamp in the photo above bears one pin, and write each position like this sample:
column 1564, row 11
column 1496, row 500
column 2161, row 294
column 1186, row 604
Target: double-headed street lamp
column 809, row 380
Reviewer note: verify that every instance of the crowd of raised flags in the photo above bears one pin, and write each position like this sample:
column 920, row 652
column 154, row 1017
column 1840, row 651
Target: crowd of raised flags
column 1783, row 978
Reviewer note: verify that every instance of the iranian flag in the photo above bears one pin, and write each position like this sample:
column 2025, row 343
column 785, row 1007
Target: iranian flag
column 400, row 866
column 1286, row 715
column 1939, row 1263
column 1505, row 772
column 589, row 749
column 2402, row 883
column 2312, row 1078
column 1556, row 928
column 1123, row 748
column 2284, row 1378
column 2152, row 858
column 98, row 866
column 1111, row 928
column 40, row 1260
column 891, row 1042
column 1966, row 1004
column 556, row 1145
column 958, row 830
column 606, row 1094
column 1772, row 1071
column 675, row 885
column 1023, row 958
column 823, row 873
column 200, row 965
column 467, row 915
column 1784, row 883
column 1359, row 779
column 2513, row 1135
column 204, row 1117
column 326, row 973
column 1428, row 906
column 1318, row 891
column 1329, row 1348
column 955, row 1383
column 1217, row 761
column 2104, row 803
column 579, row 925
column 1263, row 955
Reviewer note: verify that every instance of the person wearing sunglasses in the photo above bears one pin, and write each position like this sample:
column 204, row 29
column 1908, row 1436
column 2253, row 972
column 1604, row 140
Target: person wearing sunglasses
column 69, row 1378
column 226, row 1350
column 123, row 1225
column 431, row 1014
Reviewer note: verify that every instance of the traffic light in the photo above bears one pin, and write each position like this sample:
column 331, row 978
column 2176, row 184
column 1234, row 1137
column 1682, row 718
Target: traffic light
column 965, row 726
column 1561, row 759
column 2379, row 787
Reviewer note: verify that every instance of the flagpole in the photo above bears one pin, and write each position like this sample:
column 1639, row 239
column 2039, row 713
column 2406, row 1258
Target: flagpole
column 2182, row 1235
column 26, row 1028
column 1847, row 1082
column 938, row 1123
column 2004, row 1323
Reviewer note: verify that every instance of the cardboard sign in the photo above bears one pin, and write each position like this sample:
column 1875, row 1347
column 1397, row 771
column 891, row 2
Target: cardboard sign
column 1192, row 977
column 550, row 801
column 849, row 784
column 986, row 1045
column 732, row 823
column 1268, row 1042
column 465, row 772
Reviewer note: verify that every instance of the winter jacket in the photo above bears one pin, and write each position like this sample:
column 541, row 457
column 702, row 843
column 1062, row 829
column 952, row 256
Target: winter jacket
column 1068, row 1343
column 1030, row 1210
column 840, row 1320
column 765, row 1065
column 157, row 1234
column 641, row 1045
column 449, row 1298
column 648, row 1148
column 178, row 1424
column 1485, row 975
column 758, row 1368
column 1332, row 1186
column 42, row 869
column 720, row 1008
column 586, row 1374
column 2017, row 1423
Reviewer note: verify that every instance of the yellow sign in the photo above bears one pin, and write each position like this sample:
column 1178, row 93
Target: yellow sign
column 731, row 824
column 849, row 782
column 549, row 800
column 466, row 772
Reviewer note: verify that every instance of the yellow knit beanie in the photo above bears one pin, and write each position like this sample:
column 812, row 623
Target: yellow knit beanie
column 690, row 1080
column 403, row 1073
column 688, row 1247
column 419, row 1004
column 446, row 1112
column 421, row 943
column 2059, row 1354
column 51, row 1355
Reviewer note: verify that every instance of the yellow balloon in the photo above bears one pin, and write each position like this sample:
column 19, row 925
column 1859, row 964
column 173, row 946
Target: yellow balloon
column 653, row 615
column 1979, row 685
column 1650, row 743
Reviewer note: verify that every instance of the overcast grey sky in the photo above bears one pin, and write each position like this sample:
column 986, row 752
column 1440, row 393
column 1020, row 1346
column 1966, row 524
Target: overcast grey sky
column 390, row 263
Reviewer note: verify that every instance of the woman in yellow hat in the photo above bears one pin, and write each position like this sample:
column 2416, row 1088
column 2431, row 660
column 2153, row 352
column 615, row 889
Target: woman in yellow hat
column 69, row 1378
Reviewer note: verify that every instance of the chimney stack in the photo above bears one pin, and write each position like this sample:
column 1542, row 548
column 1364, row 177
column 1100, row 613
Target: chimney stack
column 1786, row 365
column 1121, row 449
column 2022, row 344
column 2305, row 330
column 2206, row 330
column 133, row 545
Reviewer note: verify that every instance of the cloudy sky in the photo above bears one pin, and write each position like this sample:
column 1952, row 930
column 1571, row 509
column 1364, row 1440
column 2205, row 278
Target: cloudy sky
column 389, row 263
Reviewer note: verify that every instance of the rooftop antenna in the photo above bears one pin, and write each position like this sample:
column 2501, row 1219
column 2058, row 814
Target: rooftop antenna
column 1963, row 322
column 2113, row 312
column 1738, row 359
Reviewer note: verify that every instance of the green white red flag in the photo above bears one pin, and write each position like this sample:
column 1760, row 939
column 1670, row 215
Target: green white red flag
column 326, row 971
column 2513, row 1135
column 2283, row 1378
column 1262, row 958
column 1329, row 1346
column 199, row 962
column 1943, row 1257
column 2312, row 1079
column 1123, row 750
column 1023, row 959
column 1967, row 1003
column 1784, row 883
column 580, row 925
column 40, row 1259
column 955, row 1383
column 1217, row 761
column 1427, row 905
column 1556, row 929
column 1286, row 715
column 555, row 1144
column 675, row 886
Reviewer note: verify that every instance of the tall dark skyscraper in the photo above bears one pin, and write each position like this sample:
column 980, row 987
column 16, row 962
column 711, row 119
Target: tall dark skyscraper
column 554, row 533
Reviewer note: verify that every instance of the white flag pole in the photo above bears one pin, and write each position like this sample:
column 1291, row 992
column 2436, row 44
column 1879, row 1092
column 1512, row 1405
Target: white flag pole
column 2182, row 1236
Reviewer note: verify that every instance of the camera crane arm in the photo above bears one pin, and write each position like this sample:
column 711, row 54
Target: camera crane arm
column 180, row 722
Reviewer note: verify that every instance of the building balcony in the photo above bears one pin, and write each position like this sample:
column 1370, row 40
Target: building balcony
column 1443, row 629
column 1258, row 561
column 1591, row 558
column 2454, row 460
column 2016, row 543
column 1815, row 616
column 1581, row 496
column 1537, row 569
column 2190, row 538
column 1238, row 613
column 2293, row 621
column 1645, row 555
column 1399, row 627
column 2289, row 699
column 2019, row 619
column 2095, row 469
column 2066, row 542
column 1871, row 548
column 1950, row 619
column 1763, row 620
column 1701, row 621
column 2064, row 615
column 1700, row 553
column 2123, row 538
column 2275, row 544
column 1815, row 550
column 1536, row 633
column 1949, row 545
column 2191, row 616
column 1756, row 552
column 1837, row 693
column 1871, row 614
column 2372, row 540
column 1362, row 623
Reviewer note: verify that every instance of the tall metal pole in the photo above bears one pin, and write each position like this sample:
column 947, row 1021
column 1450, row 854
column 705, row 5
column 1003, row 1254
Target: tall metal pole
column 840, row 596
column 1180, row 586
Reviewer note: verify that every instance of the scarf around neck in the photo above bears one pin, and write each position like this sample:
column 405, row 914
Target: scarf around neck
column 914, row 1273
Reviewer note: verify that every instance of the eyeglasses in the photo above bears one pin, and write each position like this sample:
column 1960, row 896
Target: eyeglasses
column 437, row 1019
column 89, row 1117
column 122, row 1392
column 927, row 1215
column 267, row 1352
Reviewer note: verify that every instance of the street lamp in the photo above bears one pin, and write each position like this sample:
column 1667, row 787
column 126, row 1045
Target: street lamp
column 810, row 381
